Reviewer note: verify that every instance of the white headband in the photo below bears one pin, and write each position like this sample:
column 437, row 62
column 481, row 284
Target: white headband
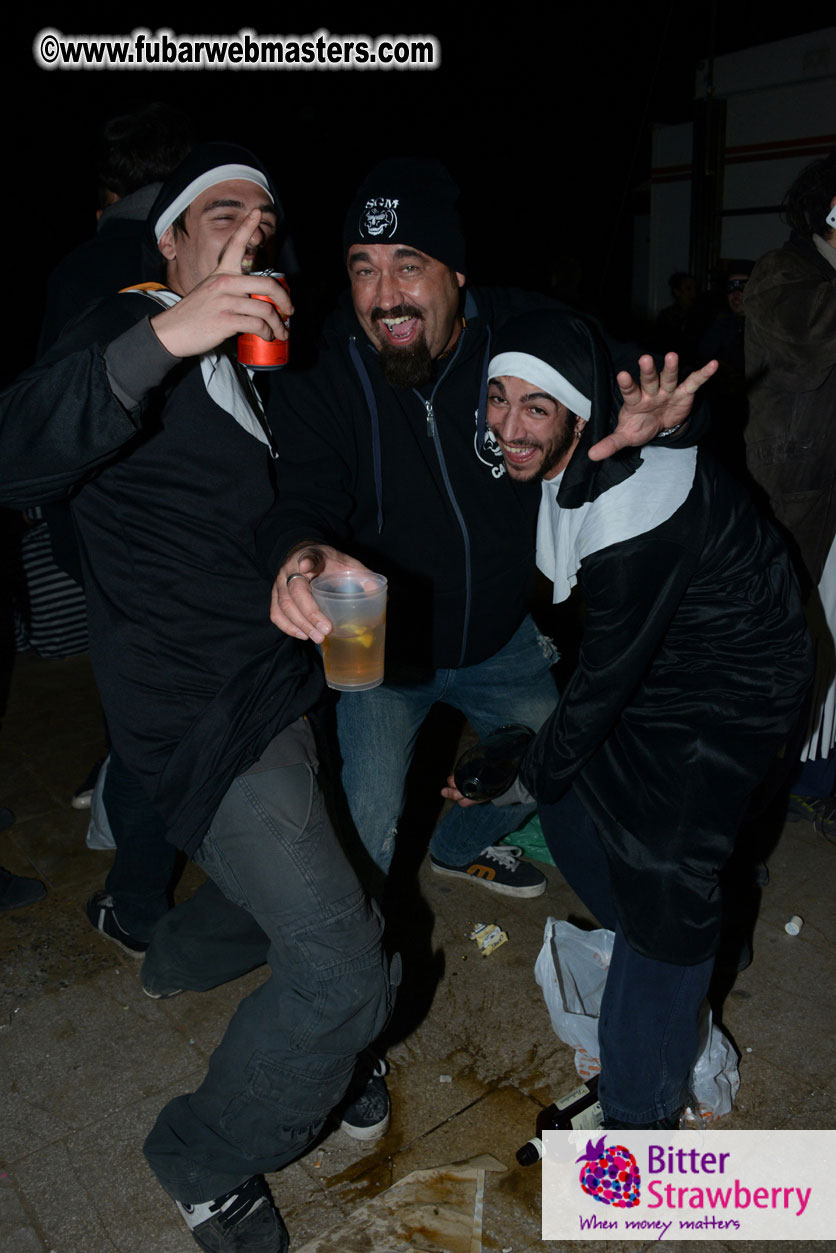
column 220, row 174
column 522, row 365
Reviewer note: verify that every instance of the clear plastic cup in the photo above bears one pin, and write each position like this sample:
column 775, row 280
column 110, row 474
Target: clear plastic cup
column 354, row 601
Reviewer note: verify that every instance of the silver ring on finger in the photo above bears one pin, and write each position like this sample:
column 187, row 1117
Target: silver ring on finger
column 297, row 575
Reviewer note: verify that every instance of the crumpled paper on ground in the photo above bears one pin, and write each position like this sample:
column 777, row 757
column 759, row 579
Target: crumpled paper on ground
column 428, row 1211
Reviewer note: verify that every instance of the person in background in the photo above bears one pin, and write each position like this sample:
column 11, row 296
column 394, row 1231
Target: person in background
column 790, row 308
column 723, row 342
column 678, row 324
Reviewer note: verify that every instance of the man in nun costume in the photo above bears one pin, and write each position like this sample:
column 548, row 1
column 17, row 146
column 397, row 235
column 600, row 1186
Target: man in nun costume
column 143, row 416
column 693, row 666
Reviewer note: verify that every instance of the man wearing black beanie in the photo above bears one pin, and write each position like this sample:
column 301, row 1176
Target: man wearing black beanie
column 385, row 453
column 143, row 416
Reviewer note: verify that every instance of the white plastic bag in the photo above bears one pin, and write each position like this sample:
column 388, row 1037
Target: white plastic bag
column 99, row 834
column 715, row 1078
column 572, row 971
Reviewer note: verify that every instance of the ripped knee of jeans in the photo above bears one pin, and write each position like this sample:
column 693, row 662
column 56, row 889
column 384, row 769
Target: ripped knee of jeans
column 387, row 846
column 547, row 646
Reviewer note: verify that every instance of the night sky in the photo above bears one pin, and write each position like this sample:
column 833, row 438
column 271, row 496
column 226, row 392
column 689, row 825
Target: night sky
column 544, row 121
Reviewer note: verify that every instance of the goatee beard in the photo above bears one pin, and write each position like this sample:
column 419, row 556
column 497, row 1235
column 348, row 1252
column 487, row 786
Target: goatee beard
column 407, row 367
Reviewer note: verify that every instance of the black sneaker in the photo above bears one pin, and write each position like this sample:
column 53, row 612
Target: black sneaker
column 16, row 891
column 366, row 1114
column 83, row 796
column 102, row 914
column 157, row 992
column 499, row 868
column 244, row 1220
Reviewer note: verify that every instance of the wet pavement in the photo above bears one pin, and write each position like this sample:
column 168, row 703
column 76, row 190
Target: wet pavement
column 87, row 1060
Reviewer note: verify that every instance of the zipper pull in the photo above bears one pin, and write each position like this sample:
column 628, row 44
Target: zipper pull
column 430, row 419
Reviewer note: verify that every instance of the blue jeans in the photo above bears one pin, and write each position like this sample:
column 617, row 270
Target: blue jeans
column 378, row 729
column 648, row 1032
column 289, row 1051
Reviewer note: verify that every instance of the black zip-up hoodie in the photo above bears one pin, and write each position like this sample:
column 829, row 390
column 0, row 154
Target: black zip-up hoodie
column 401, row 479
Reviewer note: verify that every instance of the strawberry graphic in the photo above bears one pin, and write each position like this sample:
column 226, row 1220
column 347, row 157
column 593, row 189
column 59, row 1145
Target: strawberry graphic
column 610, row 1175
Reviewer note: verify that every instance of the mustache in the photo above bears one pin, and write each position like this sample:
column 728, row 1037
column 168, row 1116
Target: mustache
column 399, row 311
column 518, row 443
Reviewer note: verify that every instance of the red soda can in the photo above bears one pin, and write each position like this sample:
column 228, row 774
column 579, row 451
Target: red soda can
column 264, row 354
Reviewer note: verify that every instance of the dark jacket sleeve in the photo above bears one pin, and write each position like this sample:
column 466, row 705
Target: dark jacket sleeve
column 71, row 413
column 631, row 592
column 316, row 476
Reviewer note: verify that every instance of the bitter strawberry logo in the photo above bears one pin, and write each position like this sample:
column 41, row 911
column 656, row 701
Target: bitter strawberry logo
column 610, row 1175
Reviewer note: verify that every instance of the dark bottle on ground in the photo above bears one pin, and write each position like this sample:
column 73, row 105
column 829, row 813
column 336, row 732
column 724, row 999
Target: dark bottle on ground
column 490, row 767
column 578, row 1110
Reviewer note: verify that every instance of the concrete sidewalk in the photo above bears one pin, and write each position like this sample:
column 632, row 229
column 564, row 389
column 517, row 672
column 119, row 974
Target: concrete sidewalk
column 87, row 1060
